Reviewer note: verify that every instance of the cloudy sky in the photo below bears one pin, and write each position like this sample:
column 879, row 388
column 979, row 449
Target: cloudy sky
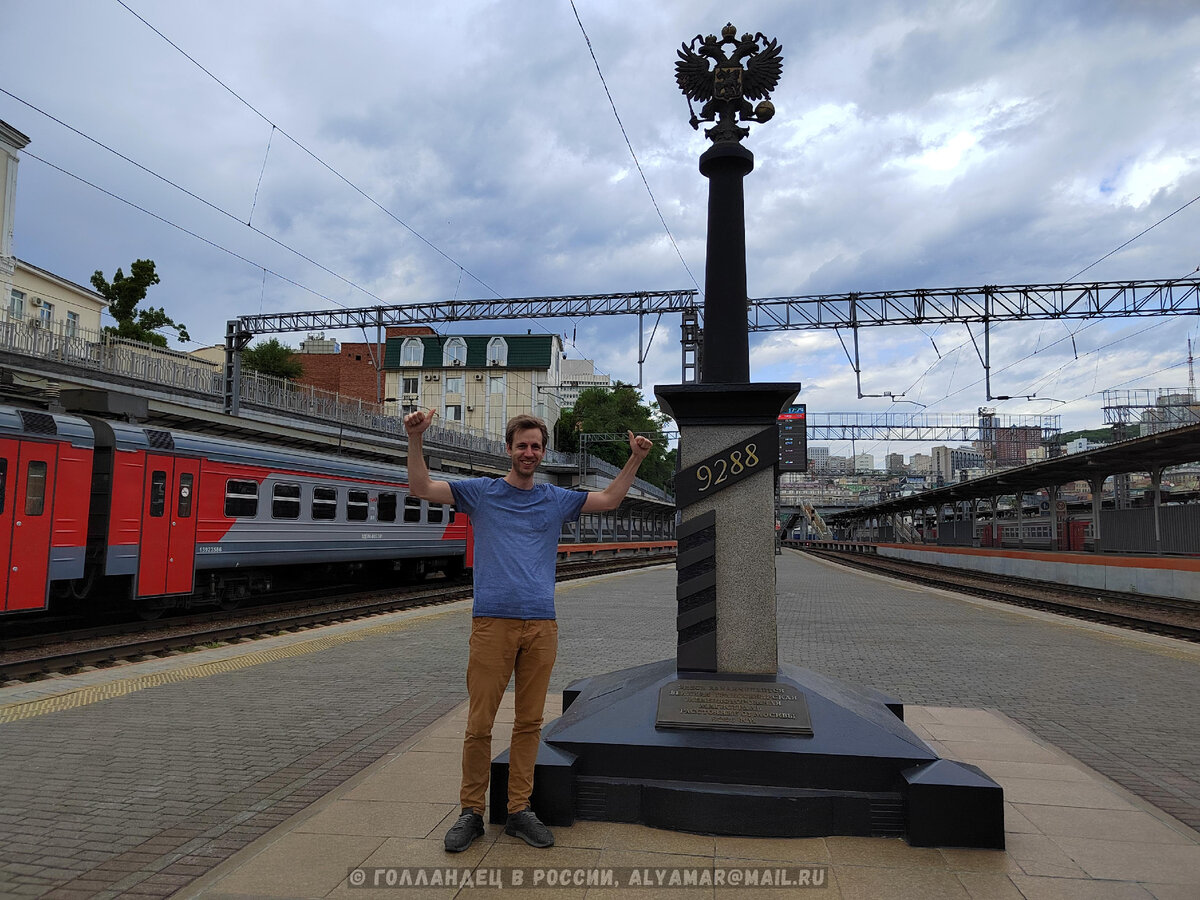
column 915, row 145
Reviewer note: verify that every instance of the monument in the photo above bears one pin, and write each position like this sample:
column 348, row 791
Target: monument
column 724, row 739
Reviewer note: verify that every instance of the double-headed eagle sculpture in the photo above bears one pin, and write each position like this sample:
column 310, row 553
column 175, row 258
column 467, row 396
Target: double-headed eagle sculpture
column 726, row 87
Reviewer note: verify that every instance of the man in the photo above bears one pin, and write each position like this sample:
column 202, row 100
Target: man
column 517, row 524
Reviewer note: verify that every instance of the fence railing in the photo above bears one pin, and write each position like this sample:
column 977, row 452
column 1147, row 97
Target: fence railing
column 171, row 370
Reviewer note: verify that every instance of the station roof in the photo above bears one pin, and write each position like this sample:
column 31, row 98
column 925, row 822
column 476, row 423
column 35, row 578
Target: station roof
column 1144, row 454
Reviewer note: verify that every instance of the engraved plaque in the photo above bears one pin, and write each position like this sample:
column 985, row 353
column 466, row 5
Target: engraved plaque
column 757, row 453
column 765, row 706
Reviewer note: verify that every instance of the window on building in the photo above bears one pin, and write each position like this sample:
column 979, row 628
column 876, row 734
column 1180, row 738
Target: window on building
column 158, row 493
column 454, row 352
column 184, row 506
column 285, row 502
column 454, row 384
column 16, row 303
column 412, row 509
column 412, row 352
column 241, row 499
column 453, row 412
column 46, row 313
column 72, row 329
column 324, row 505
column 497, row 352
column 495, row 384
column 356, row 506
column 411, row 384
column 35, row 488
column 387, row 507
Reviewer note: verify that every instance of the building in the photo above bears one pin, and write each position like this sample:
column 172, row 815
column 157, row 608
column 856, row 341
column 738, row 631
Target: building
column 1172, row 409
column 479, row 381
column 1082, row 445
column 894, row 463
column 864, row 462
column 349, row 369
column 577, row 376
column 818, row 459
column 920, row 464
column 949, row 463
column 30, row 295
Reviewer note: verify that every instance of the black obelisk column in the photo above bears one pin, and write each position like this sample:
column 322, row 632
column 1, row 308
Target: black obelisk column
column 726, row 339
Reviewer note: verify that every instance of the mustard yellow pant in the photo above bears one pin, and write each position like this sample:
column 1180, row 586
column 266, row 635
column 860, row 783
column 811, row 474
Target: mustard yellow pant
column 498, row 648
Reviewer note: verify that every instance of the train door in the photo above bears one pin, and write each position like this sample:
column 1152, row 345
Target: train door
column 156, row 526
column 181, row 558
column 28, row 504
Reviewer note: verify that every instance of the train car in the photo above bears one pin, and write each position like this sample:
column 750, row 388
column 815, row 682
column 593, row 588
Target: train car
column 45, row 474
column 91, row 508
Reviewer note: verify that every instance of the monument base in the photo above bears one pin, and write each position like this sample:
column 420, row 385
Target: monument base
column 860, row 772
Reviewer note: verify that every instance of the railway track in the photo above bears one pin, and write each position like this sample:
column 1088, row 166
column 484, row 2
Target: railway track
column 34, row 657
column 1154, row 615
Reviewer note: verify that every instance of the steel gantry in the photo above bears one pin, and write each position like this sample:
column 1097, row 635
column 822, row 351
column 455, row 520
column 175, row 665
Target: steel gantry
column 961, row 427
column 984, row 304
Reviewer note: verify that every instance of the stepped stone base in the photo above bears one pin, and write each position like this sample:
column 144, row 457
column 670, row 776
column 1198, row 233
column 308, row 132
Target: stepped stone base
column 860, row 772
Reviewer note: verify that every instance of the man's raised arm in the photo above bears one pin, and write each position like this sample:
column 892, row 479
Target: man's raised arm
column 611, row 496
column 419, row 483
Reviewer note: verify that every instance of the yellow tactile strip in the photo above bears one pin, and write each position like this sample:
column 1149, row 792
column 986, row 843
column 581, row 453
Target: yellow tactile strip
column 85, row 696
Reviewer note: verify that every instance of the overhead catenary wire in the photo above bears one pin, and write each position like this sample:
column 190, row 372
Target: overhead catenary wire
column 629, row 144
column 189, row 193
column 274, row 125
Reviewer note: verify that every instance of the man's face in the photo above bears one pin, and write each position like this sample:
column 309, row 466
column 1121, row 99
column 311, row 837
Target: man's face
column 526, row 450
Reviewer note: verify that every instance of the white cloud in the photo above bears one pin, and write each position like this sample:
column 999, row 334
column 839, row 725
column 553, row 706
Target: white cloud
column 913, row 146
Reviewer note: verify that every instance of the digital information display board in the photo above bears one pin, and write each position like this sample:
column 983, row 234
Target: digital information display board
column 793, row 439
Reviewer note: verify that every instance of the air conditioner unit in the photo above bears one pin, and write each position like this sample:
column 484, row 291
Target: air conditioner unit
column 478, row 376
column 431, row 377
column 36, row 301
column 495, row 362
column 470, row 409
column 456, row 362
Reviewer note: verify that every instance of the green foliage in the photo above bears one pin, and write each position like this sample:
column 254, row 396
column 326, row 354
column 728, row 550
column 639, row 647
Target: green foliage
column 598, row 411
column 1095, row 435
column 272, row 358
column 123, row 296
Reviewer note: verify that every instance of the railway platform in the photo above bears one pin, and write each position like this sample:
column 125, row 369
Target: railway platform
column 278, row 767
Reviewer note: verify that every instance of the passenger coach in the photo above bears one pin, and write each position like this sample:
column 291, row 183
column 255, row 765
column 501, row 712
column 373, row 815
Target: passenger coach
column 166, row 518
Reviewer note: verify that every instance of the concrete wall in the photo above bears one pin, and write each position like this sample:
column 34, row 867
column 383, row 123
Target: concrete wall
column 1166, row 577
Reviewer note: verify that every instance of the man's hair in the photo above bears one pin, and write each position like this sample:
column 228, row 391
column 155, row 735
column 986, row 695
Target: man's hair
column 520, row 423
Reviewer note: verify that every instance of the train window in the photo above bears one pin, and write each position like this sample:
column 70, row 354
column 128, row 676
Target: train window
column 184, row 505
column 356, row 506
column 387, row 507
column 3, row 481
column 158, row 493
column 241, row 498
column 412, row 509
column 436, row 512
column 35, row 489
column 324, row 503
column 285, row 501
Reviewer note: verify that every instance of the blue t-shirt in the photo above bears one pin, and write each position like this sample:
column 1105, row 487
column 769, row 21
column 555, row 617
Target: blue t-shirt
column 516, row 543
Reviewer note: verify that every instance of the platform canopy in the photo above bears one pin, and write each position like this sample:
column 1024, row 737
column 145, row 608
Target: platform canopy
column 1145, row 454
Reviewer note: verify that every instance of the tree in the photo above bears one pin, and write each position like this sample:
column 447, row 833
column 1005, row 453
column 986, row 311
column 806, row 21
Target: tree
column 598, row 411
column 272, row 358
column 123, row 296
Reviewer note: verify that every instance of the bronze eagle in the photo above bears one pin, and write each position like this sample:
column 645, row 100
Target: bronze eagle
column 725, row 86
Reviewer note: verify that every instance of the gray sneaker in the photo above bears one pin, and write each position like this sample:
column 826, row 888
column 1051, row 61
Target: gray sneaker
column 527, row 827
column 463, row 832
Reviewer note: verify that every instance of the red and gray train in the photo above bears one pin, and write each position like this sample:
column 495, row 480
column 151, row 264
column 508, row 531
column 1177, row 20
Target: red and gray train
column 91, row 508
